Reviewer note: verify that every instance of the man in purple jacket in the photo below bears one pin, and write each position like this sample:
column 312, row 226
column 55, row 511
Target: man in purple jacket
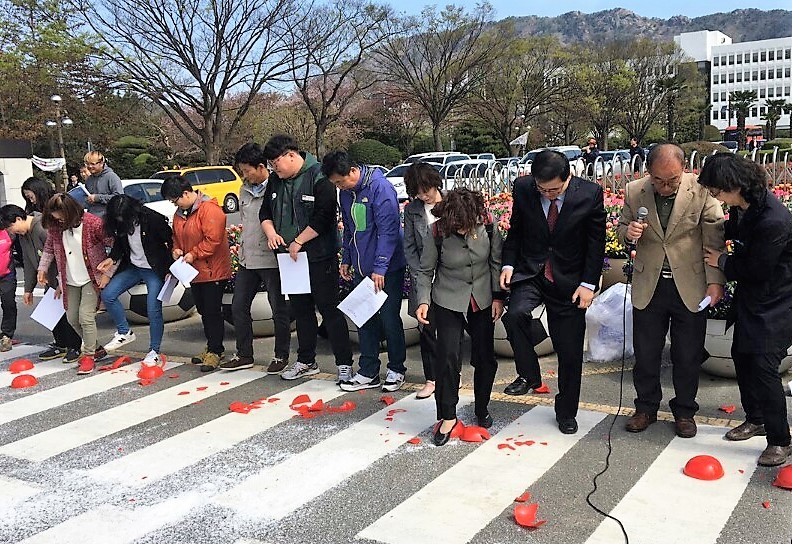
column 372, row 247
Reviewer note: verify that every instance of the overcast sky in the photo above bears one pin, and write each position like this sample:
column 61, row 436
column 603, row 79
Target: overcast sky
column 663, row 10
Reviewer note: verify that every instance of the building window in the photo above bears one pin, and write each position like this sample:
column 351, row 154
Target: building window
column 747, row 76
column 723, row 78
column 723, row 97
column 787, row 53
column 756, row 57
column 770, row 74
column 762, row 110
column 715, row 78
column 786, row 72
column 762, row 75
column 753, row 112
column 723, row 60
column 739, row 77
column 739, row 58
column 764, row 56
column 731, row 78
column 786, row 91
column 731, row 60
column 778, row 73
column 778, row 91
column 771, row 55
column 754, row 75
column 761, row 93
column 770, row 93
column 716, row 61
column 715, row 115
column 714, row 97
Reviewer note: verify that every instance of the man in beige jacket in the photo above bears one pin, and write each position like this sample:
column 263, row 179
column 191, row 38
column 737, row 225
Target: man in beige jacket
column 670, row 282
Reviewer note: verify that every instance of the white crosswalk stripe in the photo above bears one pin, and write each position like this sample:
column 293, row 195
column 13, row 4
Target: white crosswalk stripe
column 190, row 477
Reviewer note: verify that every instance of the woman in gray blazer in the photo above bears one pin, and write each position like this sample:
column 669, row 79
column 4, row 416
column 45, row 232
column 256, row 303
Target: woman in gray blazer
column 424, row 188
column 459, row 276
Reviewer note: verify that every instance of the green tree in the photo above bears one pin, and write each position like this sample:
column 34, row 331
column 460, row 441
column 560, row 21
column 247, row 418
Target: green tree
column 741, row 103
column 775, row 108
column 471, row 137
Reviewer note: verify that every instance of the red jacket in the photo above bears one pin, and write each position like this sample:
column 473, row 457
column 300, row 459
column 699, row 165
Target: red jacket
column 202, row 232
column 94, row 243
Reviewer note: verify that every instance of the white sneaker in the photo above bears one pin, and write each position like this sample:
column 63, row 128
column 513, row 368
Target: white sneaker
column 120, row 339
column 298, row 370
column 359, row 382
column 152, row 359
column 393, row 381
column 344, row 374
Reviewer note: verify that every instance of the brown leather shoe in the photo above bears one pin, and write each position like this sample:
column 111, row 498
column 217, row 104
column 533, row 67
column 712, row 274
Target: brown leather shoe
column 639, row 422
column 746, row 430
column 773, row 456
column 685, row 427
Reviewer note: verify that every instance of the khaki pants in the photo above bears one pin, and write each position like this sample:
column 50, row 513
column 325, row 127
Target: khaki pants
column 82, row 313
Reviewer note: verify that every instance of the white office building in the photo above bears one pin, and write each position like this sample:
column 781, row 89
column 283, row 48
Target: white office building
column 764, row 66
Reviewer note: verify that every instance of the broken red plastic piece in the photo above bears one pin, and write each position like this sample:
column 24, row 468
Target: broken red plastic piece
column 728, row 408
column 542, row 443
column 239, row 407
column 224, row 383
column 300, row 399
column 184, row 392
column 346, row 406
column 20, row 365
column 505, row 447
column 387, row 399
column 542, row 389
column 173, row 376
column 273, row 399
column 24, row 380
column 784, row 478
column 704, row 467
column 523, row 498
column 766, row 504
column 317, row 406
column 474, row 433
column 202, row 388
column 388, row 419
column 415, row 440
column 123, row 360
column 395, row 411
column 150, row 372
column 145, row 383
column 525, row 442
column 525, row 516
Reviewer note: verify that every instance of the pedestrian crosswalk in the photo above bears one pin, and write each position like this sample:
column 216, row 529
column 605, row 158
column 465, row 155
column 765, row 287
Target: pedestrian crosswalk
column 103, row 459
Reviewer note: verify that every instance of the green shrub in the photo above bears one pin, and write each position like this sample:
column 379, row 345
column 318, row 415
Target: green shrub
column 374, row 152
column 712, row 133
column 781, row 143
column 702, row 148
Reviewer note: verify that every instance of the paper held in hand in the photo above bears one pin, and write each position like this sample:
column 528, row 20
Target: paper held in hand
column 166, row 293
column 363, row 302
column 184, row 272
column 49, row 310
column 294, row 275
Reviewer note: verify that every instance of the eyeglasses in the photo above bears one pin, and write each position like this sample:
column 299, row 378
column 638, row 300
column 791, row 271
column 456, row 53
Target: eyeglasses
column 274, row 161
column 550, row 190
column 714, row 192
column 672, row 182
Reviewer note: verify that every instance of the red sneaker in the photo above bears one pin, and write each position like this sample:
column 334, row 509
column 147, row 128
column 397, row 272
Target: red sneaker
column 86, row 365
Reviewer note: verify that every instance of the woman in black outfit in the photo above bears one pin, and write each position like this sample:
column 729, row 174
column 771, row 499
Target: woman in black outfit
column 760, row 228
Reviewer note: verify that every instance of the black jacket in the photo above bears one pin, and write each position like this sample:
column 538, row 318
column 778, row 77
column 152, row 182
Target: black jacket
column 157, row 238
column 577, row 245
column 762, row 266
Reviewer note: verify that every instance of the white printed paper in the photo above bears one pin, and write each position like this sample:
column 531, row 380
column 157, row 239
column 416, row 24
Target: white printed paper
column 166, row 293
column 184, row 272
column 294, row 276
column 704, row 303
column 49, row 311
column 363, row 302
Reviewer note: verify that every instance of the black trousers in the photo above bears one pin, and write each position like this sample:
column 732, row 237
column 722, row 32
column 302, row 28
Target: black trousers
column 245, row 289
column 567, row 325
column 65, row 336
column 427, row 341
column 688, row 330
column 324, row 298
column 448, row 364
column 208, row 298
column 8, row 304
column 762, row 394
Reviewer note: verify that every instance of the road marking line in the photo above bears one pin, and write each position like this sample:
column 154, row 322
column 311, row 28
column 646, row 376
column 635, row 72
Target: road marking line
column 39, row 370
column 481, row 485
column 20, row 350
column 13, row 491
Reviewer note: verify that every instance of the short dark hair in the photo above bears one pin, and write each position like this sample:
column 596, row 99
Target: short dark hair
column 279, row 145
column 68, row 206
column 9, row 214
column 174, row 187
column 422, row 177
column 727, row 171
column 251, row 154
column 461, row 209
column 665, row 148
column 121, row 215
column 337, row 162
column 549, row 165
column 43, row 190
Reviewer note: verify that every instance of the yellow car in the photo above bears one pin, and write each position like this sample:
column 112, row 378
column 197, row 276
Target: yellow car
column 219, row 182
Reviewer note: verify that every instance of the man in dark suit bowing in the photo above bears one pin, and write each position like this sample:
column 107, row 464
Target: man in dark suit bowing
column 553, row 254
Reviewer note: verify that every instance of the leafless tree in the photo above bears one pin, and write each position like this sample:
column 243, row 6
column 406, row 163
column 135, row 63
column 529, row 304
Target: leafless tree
column 188, row 56
column 440, row 61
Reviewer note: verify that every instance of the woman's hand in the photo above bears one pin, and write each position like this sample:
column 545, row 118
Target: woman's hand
column 497, row 310
column 103, row 281
column 41, row 278
column 176, row 253
column 105, row 265
column 421, row 313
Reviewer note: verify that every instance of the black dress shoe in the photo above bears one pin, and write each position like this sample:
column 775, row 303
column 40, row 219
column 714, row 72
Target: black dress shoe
column 439, row 438
column 485, row 421
column 520, row 386
column 567, row 425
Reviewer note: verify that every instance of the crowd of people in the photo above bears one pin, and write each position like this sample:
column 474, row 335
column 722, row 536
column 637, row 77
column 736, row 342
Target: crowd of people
column 462, row 273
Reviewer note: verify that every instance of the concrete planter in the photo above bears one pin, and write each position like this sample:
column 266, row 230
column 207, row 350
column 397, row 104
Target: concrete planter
column 718, row 344
column 180, row 306
column 503, row 347
column 260, row 311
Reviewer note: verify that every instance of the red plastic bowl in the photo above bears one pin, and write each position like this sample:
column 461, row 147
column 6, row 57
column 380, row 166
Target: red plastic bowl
column 704, row 467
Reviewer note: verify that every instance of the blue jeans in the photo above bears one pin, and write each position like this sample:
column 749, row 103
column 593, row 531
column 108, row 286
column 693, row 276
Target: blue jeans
column 126, row 279
column 388, row 323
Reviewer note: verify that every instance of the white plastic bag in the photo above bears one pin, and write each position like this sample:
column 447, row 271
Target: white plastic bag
column 605, row 323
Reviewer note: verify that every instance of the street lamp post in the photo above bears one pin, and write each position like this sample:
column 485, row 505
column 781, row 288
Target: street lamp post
column 61, row 119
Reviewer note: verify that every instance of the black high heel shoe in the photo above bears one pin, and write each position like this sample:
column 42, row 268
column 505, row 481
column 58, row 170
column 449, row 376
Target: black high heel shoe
column 439, row 438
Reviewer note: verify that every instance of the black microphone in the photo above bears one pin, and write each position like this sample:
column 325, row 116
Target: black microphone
column 642, row 213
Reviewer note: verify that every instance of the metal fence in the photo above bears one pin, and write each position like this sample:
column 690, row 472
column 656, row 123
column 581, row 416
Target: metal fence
column 614, row 174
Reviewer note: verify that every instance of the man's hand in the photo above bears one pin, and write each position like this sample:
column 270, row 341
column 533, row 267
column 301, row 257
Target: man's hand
column 27, row 299
column 421, row 313
column 103, row 281
column 275, row 241
column 105, row 265
column 711, row 257
column 189, row 258
column 497, row 310
column 583, row 296
column 379, row 282
column 346, row 272
column 635, row 230
column 91, row 198
column 41, row 278
column 715, row 292
column 505, row 278
column 294, row 249
column 176, row 253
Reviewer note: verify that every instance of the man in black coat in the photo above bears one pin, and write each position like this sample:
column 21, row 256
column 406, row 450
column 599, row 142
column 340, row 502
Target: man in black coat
column 553, row 254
